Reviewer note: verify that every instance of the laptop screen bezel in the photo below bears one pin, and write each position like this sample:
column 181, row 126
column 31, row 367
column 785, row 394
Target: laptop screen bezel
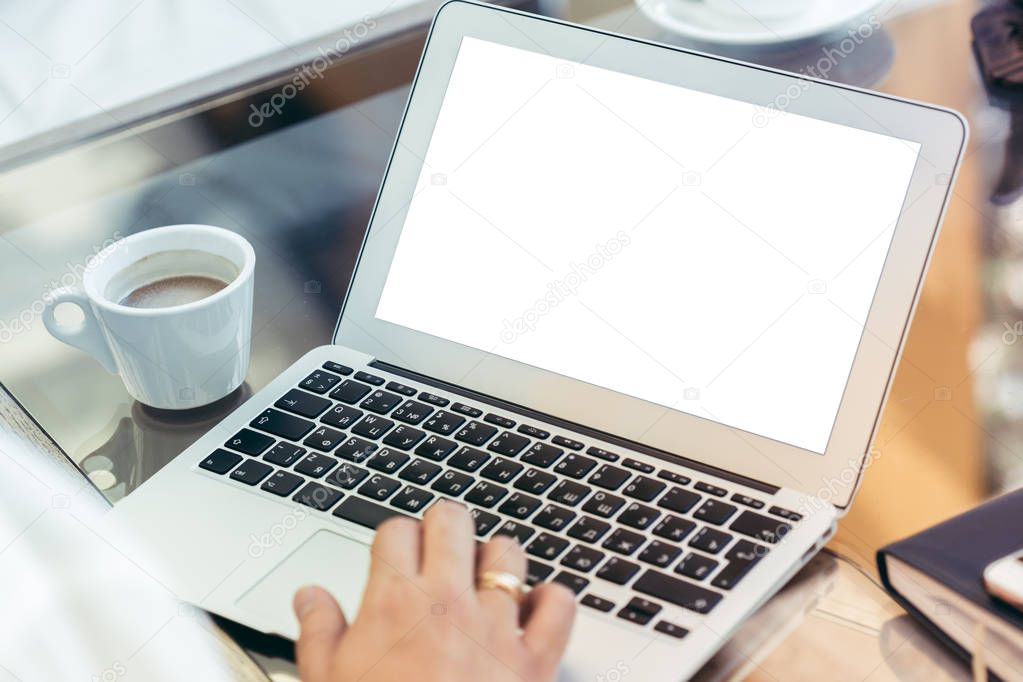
column 832, row 475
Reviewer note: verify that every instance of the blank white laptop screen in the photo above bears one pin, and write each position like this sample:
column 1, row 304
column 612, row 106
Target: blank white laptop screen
column 693, row 251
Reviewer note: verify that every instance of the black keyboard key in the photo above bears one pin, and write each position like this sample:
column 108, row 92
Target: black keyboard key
column 785, row 514
column 436, row 448
column 369, row 378
column 380, row 402
column 501, row 470
column 696, row 566
column 486, row 494
column 575, row 466
column 710, row 540
column 603, row 504
column 513, row 529
column 388, row 461
column 638, row 515
column 379, row 487
column 319, row 381
column 537, row 572
column 350, row 392
column 282, row 483
column 508, row 444
column 444, row 423
column 670, row 629
column 484, row 521
column 624, row 542
column 638, row 466
column 634, row 616
column 679, row 592
column 598, row 603
column 679, row 500
column 318, row 496
column 589, row 529
column 617, row 571
column 315, row 465
column 453, row 483
column 714, row 511
column 567, row 443
column 533, row 431
column 639, row 610
column 644, row 488
column 674, row 528
column 412, row 412
column 284, row 454
column 583, row 559
column 249, row 442
column 743, row 556
column 220, row 461
column 412, row 499
column 535, row 481
column 372, row 426
column 337, row 368
column 404, row 437
column 467, row 410
column 569, row 493
column 547, row 546
column 401, row 388
column 710, row 489
column 282, row 424
column 356, row 450
column 324, row 439
column 553, row 517
column 760, row 527
column 419, row 471
column 747, row 501
column 601, row 453
column 660, row 554
column 342, row 416
column 542, row 455
column 468, row 459
column 434, row 399
column 302, row 403
column 251, row 472
column 364, row 512
column 576, row 583
column 520, row 506
column 674, row 477
column 498, row 420
column 610, row 477
column 346, row 476
column 475, row 433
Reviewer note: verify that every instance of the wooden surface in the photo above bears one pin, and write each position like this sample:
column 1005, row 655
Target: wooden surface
column 930, row 462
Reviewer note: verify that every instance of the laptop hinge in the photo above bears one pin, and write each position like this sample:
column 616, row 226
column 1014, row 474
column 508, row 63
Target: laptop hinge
column 578, row 428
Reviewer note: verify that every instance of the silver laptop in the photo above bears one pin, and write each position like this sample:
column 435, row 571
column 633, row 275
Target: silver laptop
column 635, row 306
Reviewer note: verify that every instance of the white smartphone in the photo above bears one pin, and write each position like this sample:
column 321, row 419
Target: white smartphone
column 1004, row 579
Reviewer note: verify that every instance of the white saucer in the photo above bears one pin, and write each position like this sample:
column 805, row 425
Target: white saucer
column 693, row 19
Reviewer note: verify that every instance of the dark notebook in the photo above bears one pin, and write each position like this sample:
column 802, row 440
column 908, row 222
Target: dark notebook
column 953, row 555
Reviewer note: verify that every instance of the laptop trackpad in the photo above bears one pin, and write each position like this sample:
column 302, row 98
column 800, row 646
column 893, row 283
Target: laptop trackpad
column 332, row 561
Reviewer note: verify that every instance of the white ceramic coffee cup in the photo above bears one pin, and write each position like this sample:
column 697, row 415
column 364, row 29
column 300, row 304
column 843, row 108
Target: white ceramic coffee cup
column 759, row 9
column 176, row 357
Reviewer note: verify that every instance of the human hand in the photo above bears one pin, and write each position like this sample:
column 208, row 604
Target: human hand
column 422, row 617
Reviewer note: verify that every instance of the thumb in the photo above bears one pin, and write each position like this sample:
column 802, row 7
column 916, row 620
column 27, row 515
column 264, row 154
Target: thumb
column 321, row 624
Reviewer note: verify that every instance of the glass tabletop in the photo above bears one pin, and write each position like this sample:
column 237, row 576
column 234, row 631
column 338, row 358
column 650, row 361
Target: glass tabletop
column 298, row 180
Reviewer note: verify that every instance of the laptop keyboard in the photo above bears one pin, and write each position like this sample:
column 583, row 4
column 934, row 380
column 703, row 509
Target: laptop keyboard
column 364, row 448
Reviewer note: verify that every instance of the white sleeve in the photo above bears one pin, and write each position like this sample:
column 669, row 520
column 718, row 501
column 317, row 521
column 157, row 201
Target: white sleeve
column 73, row 606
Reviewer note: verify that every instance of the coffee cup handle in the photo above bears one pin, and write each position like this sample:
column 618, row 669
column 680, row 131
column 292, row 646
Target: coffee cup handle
column 87, row 336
